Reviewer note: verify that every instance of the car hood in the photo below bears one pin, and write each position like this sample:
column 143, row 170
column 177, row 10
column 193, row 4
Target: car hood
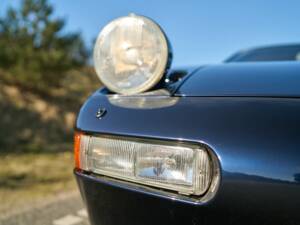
column 263, row 79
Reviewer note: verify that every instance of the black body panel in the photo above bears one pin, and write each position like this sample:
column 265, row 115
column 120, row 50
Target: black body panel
column 257, row 142
column 280, row 79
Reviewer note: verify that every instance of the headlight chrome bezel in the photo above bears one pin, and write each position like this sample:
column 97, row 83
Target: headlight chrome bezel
column 204, row 196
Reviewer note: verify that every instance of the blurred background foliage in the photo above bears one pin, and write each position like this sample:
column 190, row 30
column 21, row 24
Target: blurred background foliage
column 35, row 52
column 44, row 78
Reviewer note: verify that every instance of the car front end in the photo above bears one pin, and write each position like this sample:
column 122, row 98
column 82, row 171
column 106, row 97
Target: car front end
column 209, row 145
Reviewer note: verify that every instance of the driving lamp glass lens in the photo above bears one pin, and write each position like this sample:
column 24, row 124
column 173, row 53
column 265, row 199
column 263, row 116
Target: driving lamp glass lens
column 131, row 54
column 185, row 169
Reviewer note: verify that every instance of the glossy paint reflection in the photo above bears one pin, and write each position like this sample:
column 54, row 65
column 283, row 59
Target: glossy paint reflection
column 150, row 100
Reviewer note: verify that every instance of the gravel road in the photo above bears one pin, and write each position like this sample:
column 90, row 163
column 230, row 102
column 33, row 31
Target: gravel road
column 66, row 209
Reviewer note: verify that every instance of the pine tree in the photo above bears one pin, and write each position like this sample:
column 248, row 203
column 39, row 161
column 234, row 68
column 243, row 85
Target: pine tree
column 35, row 52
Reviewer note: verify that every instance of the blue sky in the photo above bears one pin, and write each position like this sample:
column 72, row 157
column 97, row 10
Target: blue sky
column 201, row 32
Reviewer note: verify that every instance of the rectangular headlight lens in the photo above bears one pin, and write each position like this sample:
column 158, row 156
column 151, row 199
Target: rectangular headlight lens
column 182, row 168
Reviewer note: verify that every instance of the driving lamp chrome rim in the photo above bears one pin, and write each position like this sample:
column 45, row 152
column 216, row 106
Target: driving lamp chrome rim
column 131, row 54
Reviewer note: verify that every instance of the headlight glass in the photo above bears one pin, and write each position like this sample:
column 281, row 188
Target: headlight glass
column 131, row 54
column 165, row 164
column 184, row 168
column 111, row 157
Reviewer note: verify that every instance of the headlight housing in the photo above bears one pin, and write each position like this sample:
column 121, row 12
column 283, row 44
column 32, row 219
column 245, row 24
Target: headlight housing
column 131, row 54
column 185, row 168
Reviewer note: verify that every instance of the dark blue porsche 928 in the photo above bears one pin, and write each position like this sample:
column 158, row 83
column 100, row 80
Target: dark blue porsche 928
column 216, row 144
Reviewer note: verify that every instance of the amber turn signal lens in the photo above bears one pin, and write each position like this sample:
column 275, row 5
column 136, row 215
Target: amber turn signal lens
column 77, row 138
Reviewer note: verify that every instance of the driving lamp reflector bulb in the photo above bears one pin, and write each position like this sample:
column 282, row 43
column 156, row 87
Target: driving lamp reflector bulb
column 131, row 54
column 184, row 168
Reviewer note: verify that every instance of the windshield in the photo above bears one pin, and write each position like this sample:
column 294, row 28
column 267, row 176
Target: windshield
column 275, row 53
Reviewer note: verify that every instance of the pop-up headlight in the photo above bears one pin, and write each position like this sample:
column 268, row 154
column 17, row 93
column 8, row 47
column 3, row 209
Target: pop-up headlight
column 131, row 54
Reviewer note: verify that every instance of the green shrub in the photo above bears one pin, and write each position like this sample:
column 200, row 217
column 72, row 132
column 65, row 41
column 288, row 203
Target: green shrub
column 34, row 51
